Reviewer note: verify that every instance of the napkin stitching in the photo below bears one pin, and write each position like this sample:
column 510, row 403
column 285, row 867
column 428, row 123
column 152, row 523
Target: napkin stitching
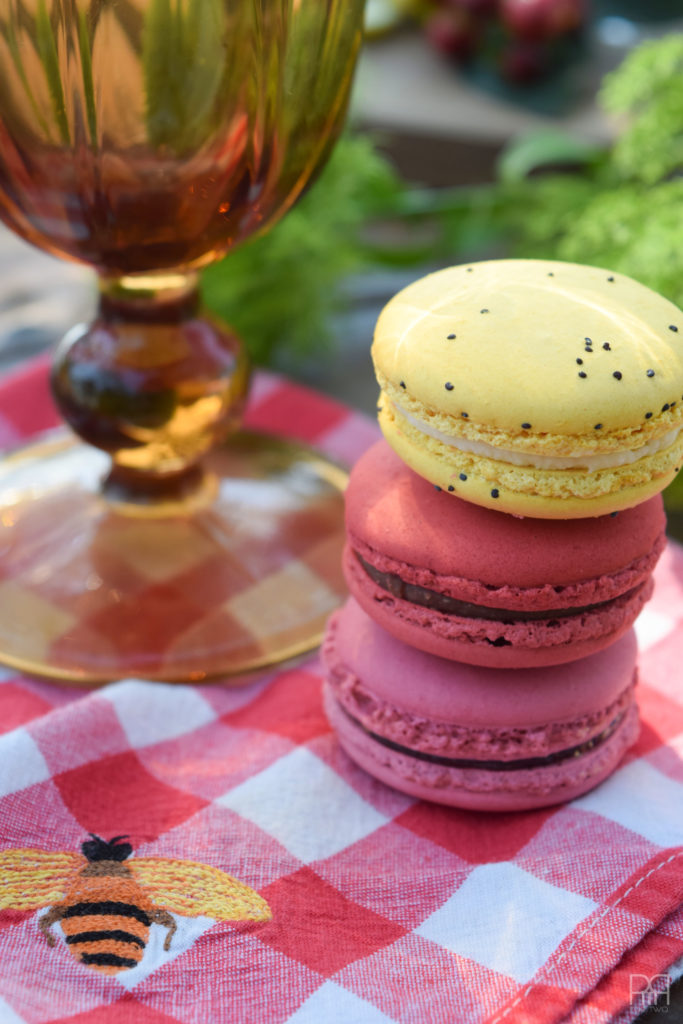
column 611, row 906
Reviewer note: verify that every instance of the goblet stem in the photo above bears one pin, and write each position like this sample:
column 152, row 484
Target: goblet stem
column 152, row 382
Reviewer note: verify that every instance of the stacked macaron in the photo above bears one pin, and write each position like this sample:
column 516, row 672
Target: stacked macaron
column 501, row 539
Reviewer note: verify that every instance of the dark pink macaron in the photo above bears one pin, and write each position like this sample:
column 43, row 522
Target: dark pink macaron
column 475, row 737
column 486, row 588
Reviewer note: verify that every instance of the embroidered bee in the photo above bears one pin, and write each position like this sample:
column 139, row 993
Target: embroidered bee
column 106, row 906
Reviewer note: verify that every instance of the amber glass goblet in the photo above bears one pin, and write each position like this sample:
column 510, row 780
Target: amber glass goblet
column 146, row 138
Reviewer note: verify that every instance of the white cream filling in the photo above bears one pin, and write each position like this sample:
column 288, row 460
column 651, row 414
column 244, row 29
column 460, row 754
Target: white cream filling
column 581, row 461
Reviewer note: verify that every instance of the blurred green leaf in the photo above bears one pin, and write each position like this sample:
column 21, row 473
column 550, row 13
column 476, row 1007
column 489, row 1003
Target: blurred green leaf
column 646, row 77
column 645, row 91
column 541, row 149
column 622, row 210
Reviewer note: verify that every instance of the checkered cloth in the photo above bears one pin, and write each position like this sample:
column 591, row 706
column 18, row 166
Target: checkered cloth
column 384, row 908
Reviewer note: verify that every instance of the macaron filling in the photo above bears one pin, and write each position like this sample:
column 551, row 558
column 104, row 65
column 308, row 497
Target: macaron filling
column 518, row 764
column 591, row 463
column 427, row 598
column 443, row 730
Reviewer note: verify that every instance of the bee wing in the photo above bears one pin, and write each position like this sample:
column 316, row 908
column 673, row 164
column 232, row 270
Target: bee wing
column 30, row 879
column 191, row 889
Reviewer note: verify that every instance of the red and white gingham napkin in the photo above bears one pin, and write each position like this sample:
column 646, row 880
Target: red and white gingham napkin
column 384, row 908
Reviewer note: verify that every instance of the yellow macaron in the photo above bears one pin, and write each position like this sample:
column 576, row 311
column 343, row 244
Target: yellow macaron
column 539, row 388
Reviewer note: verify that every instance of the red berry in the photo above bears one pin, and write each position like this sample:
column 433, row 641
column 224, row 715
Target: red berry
column 452, row 32
column 542, row 19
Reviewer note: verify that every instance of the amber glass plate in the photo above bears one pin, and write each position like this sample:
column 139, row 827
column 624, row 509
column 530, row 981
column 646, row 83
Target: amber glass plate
column 241, row 576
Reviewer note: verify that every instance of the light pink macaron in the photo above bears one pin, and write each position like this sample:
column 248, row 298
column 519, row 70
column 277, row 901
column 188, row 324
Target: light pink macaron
column 473, row 737
column 486, row 588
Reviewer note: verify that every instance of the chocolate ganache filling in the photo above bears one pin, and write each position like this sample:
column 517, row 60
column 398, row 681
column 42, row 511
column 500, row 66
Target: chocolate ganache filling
column 495, row 766
column 415, row 594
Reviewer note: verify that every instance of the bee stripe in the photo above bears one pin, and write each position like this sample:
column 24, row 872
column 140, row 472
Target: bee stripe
column 97, row 936
column 106, row 907
column 107, row 960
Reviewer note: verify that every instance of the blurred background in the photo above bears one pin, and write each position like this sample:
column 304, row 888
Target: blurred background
column 479, row 128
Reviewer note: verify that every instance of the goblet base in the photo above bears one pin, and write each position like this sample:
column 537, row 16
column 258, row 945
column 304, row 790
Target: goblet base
column 236, row 576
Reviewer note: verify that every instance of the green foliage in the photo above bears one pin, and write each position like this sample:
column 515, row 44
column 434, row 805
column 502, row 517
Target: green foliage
column 281, row 289
column 545, row 146
column 646, row 88
column 620, row 209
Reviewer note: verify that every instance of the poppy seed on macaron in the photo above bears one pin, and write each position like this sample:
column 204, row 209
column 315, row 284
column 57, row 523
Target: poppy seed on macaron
column 513, row 371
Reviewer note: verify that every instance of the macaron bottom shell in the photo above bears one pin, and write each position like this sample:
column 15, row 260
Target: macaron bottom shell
column 523, row 490
column 523, row 644
column 473, row 737
column 478, row 789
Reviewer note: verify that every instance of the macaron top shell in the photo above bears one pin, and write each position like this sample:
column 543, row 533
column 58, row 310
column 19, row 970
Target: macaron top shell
column 534, row 355
column 476, row 697
column 396, row 514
